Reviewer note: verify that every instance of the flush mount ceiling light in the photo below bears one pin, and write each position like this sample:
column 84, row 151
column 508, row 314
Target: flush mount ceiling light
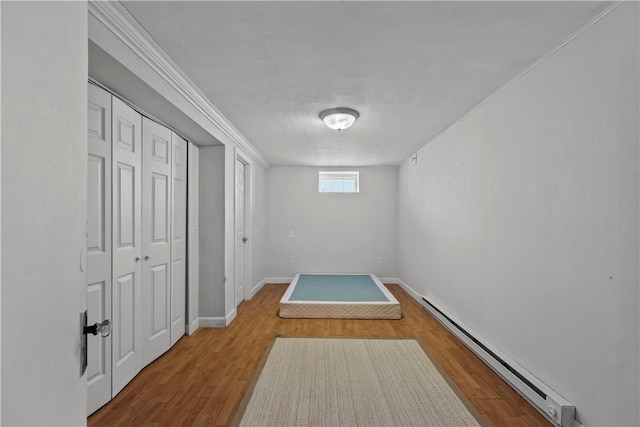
column 339, row 118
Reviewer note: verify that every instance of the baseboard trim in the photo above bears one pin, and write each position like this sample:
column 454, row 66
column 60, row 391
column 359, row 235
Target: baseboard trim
column 193, row 326
column 217, row 322
column 272, row 280
column 550, row 404
column 257, row 287
column 408, row 289
column 212, row 322
column 232, row 315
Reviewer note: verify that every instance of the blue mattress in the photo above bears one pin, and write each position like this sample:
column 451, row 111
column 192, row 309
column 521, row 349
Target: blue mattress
column 336, row 287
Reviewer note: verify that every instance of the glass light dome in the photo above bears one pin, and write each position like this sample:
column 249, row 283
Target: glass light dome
column 339, row 118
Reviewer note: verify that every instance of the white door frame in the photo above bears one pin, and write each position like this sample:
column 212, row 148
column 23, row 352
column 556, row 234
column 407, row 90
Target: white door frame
column 248, row 215
column 193, row 236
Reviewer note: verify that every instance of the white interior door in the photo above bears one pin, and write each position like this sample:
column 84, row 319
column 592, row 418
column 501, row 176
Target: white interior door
column 98, row 245
column 193, row 253
column 156, row 239
column 178, row 238
column 240, row 231
column 127, row 241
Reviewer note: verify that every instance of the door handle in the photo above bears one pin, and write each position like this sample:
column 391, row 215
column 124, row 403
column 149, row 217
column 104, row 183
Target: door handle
column 103, row 328
column 244, row 239
column 147, row 257
column 138, row 259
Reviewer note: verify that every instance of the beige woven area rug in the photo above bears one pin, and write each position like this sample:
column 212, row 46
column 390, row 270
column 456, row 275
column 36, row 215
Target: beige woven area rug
column 352, row 382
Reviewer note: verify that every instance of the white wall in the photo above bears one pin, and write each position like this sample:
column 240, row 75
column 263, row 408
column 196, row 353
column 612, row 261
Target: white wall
column 217, row 232
column 522, row 221
column 229, row 232
column 258, row 224
column 44, row 156
column 340, row 233
column 212, row 233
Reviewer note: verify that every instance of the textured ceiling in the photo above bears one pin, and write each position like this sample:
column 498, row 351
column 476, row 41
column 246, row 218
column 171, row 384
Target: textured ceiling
column 410, row 68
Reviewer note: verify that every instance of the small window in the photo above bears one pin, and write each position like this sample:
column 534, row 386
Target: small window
column 338, row 181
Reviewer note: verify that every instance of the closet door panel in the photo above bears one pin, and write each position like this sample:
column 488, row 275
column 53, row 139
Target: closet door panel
column 156, row 241
column 124, row 296
column 159, row 282
column 98, row 245
column 127, row 241
column 179, row 238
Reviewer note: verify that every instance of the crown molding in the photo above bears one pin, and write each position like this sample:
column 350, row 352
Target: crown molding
column 527, row 70
column 120, row 22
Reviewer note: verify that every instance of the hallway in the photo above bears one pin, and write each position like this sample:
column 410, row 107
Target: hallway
column 203, row 378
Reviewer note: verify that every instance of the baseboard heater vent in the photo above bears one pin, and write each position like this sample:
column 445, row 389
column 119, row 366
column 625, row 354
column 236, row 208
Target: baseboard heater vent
column 553, row 406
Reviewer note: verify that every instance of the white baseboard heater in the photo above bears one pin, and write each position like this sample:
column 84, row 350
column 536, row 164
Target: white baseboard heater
column 553, row 406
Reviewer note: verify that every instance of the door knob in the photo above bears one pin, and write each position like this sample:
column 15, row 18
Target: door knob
column 103, row 328
column 244, row 239
column 147, row 257
column 138, row 259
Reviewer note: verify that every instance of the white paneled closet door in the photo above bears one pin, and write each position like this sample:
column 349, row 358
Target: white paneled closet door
column 156, row 239
column 127, row 244
column 136, row 242
column 178, row 238
column 98, row 245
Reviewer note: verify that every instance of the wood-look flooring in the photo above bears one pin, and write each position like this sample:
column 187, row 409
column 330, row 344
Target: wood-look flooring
column 203, row 378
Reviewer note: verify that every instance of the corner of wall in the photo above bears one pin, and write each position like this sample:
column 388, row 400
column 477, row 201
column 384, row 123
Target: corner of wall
column 193, row 326
column 258, row 287
column 230, row 317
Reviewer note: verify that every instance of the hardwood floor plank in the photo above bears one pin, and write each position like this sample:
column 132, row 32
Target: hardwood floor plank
column 202, row 379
